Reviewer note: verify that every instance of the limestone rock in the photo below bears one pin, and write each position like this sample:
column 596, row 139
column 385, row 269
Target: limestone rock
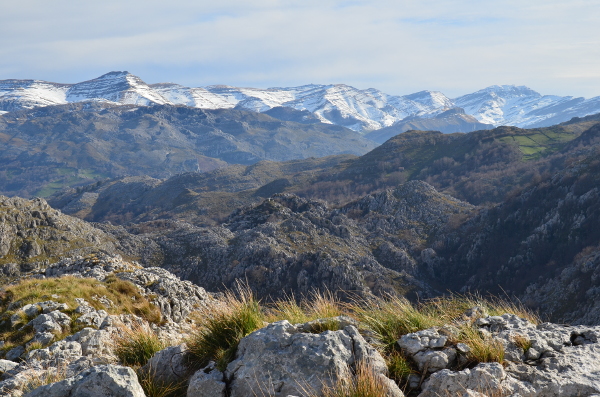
column 281, row 360
column 207, row 383
column 100, row 381
column 169, row 365
column 52, row 322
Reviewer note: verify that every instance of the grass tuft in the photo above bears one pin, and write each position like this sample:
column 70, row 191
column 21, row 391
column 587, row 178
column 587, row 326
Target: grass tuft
column 484, row 348
column 362, row 382
column 35, row 378
column 137, row 345
column 156, row 388
column 522, row 342
column 392, row 317
column 220, row 331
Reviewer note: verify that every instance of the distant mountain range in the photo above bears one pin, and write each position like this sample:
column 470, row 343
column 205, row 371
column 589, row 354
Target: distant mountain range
column 339, row 104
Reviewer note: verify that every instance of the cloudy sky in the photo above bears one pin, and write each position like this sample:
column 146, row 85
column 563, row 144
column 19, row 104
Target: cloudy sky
column 397, row 46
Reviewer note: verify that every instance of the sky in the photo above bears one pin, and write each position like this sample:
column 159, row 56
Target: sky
column 396, row 46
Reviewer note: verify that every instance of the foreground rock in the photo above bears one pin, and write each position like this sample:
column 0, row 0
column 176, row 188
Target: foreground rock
column 545, row 360
column 101, row 381
column 43, row 358
column 280, row 360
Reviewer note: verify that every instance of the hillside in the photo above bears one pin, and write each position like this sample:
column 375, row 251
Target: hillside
column 479, row 167
column 450, row 121
column 47, row 149
column 542, row 244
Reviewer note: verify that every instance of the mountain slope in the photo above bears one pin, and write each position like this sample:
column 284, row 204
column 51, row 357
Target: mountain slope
column 542, row 245
column 453, row 120
column 48, row 148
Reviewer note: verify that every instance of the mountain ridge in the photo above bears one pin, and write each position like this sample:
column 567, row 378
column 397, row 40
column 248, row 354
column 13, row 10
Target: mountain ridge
column 340, row 104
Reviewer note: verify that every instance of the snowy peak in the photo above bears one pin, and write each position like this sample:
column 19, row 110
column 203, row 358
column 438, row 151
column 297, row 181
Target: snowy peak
column 118, row 87
column 432, row 99
column 517, row 105
column 18, row 94
column 340, row 104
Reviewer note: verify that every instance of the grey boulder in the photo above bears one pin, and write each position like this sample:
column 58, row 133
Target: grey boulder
column 100, row 381
column 279, row 360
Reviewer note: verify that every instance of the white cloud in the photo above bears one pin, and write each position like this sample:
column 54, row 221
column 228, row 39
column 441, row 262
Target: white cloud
column 396, row 46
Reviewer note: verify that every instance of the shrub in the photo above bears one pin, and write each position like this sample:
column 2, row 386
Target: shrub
column 220, row 330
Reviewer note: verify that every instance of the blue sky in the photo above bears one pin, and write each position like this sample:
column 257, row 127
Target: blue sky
column 399, row 47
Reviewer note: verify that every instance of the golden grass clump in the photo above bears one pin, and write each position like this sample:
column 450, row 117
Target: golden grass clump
column 392, row 317
column 318, row 305
column 362, row 382
column 522, row 342
column 136, row 345
column 484, row 348
column 221, row 329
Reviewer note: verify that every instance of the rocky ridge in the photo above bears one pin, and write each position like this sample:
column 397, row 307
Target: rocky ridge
column 290, row 245
column 33, row 235
column 340, row 104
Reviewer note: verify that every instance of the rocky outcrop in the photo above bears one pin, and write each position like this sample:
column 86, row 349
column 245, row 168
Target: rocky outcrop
column 291, row 245
column 175, row 297
column 43, row 356
column 34, row 235
column 280, row 360
column 543, row 360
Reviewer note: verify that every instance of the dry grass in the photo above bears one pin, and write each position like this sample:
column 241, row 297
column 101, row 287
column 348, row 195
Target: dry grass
column 484, row 349
column 125, row 296
column 136, row 345
column 360, row 382
column 156, row 388
column 392, row 317
column 220, row 330
column 522, row 342
column 318, row 305
column 35, row 378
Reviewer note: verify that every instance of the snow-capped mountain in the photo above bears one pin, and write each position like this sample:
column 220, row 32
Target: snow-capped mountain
column 359, row 110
